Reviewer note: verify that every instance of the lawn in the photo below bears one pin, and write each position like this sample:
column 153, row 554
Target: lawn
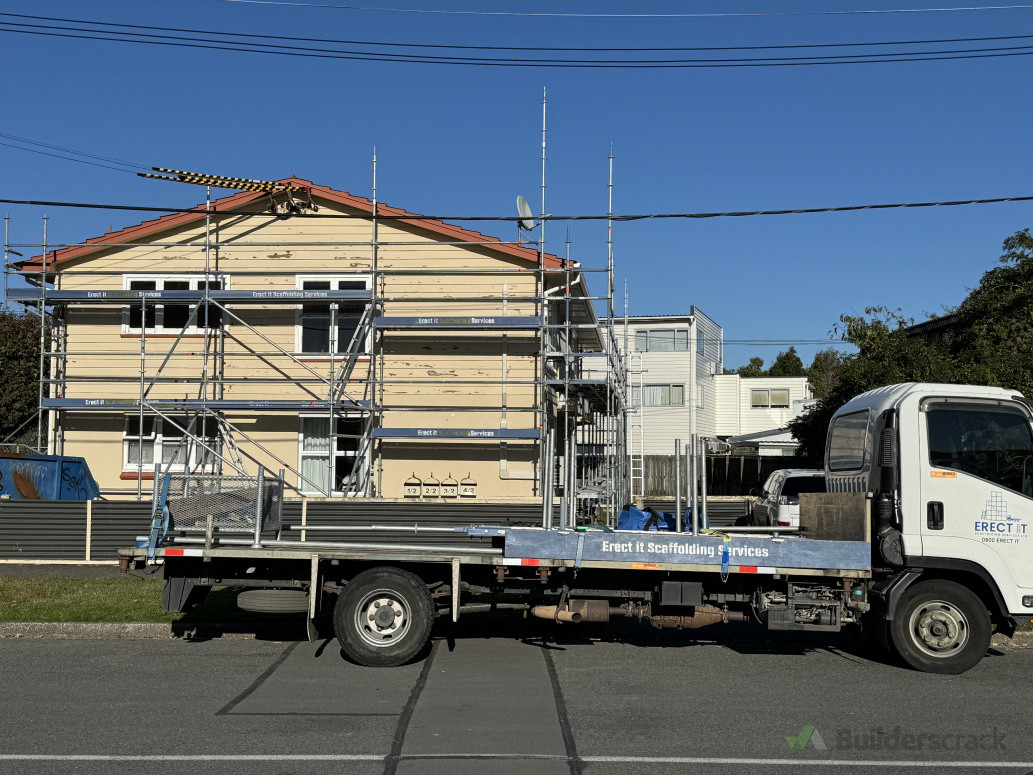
column 81, row 600
column 127, row 599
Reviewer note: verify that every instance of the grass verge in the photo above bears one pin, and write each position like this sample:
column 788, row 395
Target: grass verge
column 82, row 600
column 128, row 599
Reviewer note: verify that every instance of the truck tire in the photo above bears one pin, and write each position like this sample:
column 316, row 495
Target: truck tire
column 384, row 617
column 940, row 627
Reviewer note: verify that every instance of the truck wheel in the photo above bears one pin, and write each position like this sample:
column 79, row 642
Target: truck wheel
column 940, row 627
column 384, row 617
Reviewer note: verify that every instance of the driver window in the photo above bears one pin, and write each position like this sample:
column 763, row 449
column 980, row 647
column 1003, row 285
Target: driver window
column 989, row 441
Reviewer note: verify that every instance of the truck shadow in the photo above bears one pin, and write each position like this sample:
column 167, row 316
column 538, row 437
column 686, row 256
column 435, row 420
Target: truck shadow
column 741, row 637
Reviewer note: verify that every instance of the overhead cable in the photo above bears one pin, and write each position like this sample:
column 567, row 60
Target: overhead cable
column 466, row 47
column 639, row 15
column 214, row 211
column 258, row 47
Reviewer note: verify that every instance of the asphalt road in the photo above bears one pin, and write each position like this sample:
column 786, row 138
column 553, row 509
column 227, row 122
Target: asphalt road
column 491, row 696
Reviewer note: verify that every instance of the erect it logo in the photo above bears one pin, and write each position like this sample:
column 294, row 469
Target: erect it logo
column 997, row 525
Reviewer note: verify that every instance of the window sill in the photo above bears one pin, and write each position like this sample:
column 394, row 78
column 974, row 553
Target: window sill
column 327, row 358
column 167, row 336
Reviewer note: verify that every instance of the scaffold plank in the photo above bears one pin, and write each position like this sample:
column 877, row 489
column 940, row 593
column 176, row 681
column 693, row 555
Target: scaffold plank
column 255, row 296
column 449, row 322
column 102, row 404
column 456, row 433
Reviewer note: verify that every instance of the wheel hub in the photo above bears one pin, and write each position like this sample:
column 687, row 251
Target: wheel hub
column 382, row 617
column 939, row 629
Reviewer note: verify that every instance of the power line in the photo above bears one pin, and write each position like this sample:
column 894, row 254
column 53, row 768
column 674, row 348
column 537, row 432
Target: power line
column 73, row 150
column 514, row 218
column 585, row 15
column 309, row 52
column 66, row 158
column 392, row 44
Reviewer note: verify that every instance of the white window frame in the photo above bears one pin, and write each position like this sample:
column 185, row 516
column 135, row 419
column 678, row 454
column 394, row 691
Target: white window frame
column 196, row 283
column 299, row 283
column 157, row 439
column 303, row 486
column 648, row 332
column 670, row 386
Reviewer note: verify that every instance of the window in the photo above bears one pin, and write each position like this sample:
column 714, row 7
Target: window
column 769, row 398
column 989, row 441
column 316, row 450
column 662, row 340
column 848, row 442
column 658, row 395
column 324, row 328
column 163, row 442
column 165, row 317
column 699, row 342
column 794, row 485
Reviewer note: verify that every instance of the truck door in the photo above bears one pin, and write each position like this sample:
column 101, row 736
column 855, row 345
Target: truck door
column 976, row 474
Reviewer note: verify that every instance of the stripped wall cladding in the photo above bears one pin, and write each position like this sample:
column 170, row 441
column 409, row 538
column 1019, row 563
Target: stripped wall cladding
column 479, row 376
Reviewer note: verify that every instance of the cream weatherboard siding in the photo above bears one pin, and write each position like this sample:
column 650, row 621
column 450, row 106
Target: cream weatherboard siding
column 433, row 365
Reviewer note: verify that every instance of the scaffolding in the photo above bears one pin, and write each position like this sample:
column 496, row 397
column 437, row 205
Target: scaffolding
column 574, row 423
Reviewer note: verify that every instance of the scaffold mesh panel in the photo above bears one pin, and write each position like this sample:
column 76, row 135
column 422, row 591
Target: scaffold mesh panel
column 231, row 500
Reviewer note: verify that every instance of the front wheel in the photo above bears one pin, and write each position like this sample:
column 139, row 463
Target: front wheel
column 940, row 627
column 384, row 617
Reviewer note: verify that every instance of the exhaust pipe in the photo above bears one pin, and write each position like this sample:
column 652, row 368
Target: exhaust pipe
column 703, row 616
column 555, row 613
column 575, row 611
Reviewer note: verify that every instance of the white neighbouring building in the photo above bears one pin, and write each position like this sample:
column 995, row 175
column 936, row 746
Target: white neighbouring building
column 673, row 360
column 678, row 388
column 753, row 412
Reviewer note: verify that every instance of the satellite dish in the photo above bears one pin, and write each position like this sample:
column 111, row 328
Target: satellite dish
column 524, row 211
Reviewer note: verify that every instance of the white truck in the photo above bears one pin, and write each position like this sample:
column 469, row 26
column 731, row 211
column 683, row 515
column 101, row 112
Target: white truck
column 922, row 542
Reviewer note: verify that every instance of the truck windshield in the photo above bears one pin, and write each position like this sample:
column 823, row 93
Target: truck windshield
column 989, row 441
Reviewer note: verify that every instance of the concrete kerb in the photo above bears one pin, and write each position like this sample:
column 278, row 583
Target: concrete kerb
column 131, row 630
column 208, row 630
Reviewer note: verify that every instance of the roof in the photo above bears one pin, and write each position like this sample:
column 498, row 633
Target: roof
column 237, row 203
column 773, row 436
column 934, row 328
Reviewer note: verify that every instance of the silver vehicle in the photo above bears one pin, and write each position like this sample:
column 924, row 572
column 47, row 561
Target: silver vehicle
column 779, row 504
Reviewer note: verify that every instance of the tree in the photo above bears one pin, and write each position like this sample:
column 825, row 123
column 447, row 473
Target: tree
column 988, row 343
column 755, row 368
column 787, row 364
column 19, row 367
column 823, row 373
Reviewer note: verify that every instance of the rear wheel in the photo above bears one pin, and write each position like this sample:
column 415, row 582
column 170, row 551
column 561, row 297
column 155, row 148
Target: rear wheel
column 384, row 617
column 940, row 627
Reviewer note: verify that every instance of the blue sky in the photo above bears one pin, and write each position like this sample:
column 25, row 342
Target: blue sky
column 457, row 140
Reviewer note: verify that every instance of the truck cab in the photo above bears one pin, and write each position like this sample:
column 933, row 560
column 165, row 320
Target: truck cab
column 951, row 469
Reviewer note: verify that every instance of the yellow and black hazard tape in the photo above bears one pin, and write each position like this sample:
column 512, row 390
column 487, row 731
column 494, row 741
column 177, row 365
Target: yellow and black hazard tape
column 238, row 184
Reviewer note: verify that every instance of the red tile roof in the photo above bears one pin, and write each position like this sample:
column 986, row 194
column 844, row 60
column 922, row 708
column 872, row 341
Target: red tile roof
column 142, row 231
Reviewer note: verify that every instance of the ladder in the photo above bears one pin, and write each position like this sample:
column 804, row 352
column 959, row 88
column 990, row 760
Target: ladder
column 636, row 434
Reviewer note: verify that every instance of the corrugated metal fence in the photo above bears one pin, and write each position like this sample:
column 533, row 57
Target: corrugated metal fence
column 93, row 531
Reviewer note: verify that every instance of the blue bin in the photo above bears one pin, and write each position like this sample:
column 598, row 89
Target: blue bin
column 46, row 477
